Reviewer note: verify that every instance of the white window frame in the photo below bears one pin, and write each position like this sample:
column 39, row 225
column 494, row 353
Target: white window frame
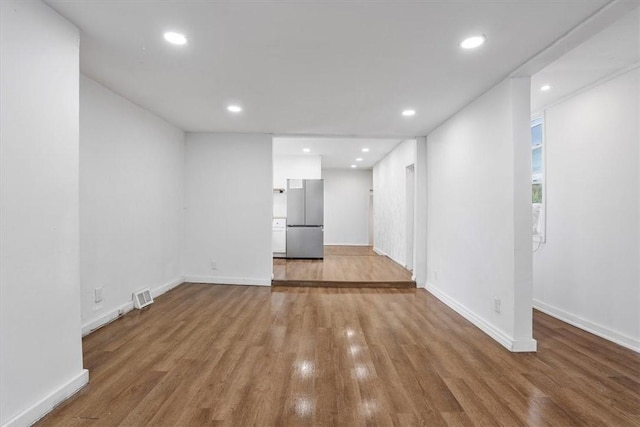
column 540, row 208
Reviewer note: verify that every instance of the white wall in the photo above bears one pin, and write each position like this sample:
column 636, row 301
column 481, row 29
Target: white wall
column 420, row 246
column 131, row 202
column 479, row 214
column 292, row 167
column 40, row 351
column 346, row 206
column 587, row 271
column 228, row 208
column 389, row 201
column 409, row 215
column 295, row 167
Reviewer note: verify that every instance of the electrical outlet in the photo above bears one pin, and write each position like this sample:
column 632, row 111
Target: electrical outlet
column 497, row 305
column 98, row 294
column 214, row 265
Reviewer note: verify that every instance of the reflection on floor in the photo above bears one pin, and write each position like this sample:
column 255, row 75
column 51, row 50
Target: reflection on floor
column 216, row 355
column 342, row 266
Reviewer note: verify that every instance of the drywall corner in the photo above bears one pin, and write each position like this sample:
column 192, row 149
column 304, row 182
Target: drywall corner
column 49, row 402
column 383, row 253
column 508, row 342
column 478, row 205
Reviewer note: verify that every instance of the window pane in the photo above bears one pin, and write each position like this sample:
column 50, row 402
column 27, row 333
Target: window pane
column 536, row 135
column 537, row 193
column 536, row 160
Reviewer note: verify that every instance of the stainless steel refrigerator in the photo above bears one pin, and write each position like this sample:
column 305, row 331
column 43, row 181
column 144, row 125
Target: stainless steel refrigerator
column 305, row 218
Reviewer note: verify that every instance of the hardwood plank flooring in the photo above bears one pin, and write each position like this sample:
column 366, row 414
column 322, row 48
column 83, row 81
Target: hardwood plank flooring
column 244, row 356
column 342, row 266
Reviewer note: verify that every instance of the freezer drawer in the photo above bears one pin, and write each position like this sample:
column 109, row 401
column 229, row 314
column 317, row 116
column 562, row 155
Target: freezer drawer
column 305, row 242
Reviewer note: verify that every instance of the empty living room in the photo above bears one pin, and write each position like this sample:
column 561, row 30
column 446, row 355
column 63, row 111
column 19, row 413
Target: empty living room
column 270, row 213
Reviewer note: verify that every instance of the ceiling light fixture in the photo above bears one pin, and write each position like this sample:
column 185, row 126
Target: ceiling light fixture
column 545, row 88
column 354, row 166
column 365, row 150
column 359, row 159
column 409, row 113
column 306, row 150
column 473, row 42
column 234, row 108
column 175, row 38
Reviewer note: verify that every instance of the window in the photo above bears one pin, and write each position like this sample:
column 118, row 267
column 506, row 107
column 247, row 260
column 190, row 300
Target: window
column 537, row 179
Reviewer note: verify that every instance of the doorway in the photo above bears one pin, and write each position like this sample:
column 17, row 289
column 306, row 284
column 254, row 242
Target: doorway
column 346, row 167
column 370, row 231
column 410, row 217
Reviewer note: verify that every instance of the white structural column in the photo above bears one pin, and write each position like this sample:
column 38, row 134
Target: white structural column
column 523, row 256
column 478, row 214
column 40, row 341
column 420, row 246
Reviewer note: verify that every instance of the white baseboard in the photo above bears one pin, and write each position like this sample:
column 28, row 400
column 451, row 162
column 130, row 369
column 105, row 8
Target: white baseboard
column 46, row 404
column 592, row 327
column 167, row 287
column 347, row 244
column 383, row 253
column 524, row 346
column 123, row 309
column 106, row 318
column 506, row 341
column 227, row 280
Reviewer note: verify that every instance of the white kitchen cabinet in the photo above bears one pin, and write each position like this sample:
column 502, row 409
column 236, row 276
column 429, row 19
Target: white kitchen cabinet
column 279, row 239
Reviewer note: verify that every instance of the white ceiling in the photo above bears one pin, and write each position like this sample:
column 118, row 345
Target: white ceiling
column 343, row 68
column 604, row 54
column 336, row 153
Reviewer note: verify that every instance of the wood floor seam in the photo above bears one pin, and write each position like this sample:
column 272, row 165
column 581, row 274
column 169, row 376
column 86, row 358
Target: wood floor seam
column 224, row 355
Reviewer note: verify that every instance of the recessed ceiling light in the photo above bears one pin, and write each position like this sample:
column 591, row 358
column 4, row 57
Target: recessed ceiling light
column 409, row 113
column 365, row 150
column 234, row 108
column 306, row 150
column 545, row 88
column 175, row 38
column 354, row 166
column 359, row 159
column 473, row 42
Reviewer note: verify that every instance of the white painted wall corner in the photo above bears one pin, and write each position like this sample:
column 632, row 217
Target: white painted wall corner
column 383, row 253
column 516, row 346
column 167, row 287
column 45, row 405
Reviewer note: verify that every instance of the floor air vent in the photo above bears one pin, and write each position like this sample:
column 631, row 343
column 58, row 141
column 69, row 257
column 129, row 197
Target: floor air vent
column 142, row 298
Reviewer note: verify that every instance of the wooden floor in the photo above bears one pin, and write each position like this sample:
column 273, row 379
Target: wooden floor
column 243, row 356
column 342, row 266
